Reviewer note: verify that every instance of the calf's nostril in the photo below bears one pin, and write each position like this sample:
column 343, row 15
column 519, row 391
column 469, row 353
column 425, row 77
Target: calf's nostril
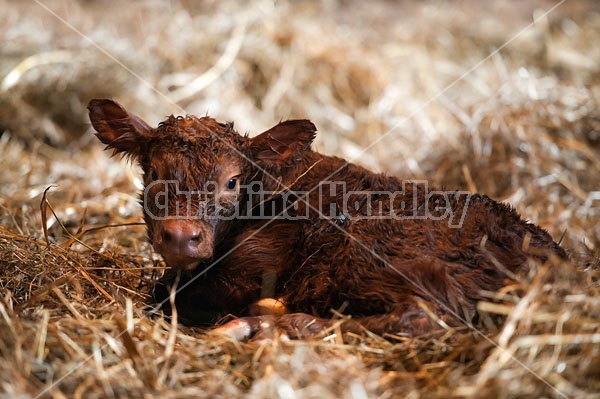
column 195, row 239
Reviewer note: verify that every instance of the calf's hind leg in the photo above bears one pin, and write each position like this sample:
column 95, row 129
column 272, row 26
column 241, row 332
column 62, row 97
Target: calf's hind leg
column 410, row 323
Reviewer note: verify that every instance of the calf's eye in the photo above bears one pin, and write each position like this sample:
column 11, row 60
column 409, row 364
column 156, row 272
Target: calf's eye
column 153, row 174
column 231, row 184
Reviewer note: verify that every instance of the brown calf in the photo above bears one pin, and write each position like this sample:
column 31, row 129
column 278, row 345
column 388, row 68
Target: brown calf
column 249, row 218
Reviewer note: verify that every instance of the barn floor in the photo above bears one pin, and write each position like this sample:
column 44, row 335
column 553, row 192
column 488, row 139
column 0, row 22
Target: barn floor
column 496, row 97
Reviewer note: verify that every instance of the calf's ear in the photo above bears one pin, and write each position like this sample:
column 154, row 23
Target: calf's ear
column 117, row 128
column 284, row 142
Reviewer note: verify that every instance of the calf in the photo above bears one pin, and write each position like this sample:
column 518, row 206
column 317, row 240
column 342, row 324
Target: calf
column 249, row 218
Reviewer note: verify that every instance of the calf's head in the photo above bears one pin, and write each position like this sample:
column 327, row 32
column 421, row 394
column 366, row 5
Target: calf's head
column 195, row 171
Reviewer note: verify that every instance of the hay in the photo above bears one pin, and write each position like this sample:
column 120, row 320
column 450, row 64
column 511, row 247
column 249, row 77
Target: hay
column 523, row 126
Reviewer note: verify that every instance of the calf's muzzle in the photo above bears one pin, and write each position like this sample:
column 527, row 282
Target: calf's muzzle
column 183, row 243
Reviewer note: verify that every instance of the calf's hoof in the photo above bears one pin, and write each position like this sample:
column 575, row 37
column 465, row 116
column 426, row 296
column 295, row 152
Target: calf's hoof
column 268, row 306
column 300, row 325
column 292, row 325
column 247, row 327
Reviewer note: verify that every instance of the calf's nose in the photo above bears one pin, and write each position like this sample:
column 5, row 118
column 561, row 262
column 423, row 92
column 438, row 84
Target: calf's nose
column 182, row 240
column 183, row 243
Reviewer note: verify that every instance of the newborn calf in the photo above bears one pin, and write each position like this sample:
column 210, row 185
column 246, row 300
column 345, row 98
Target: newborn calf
column 266, row 217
